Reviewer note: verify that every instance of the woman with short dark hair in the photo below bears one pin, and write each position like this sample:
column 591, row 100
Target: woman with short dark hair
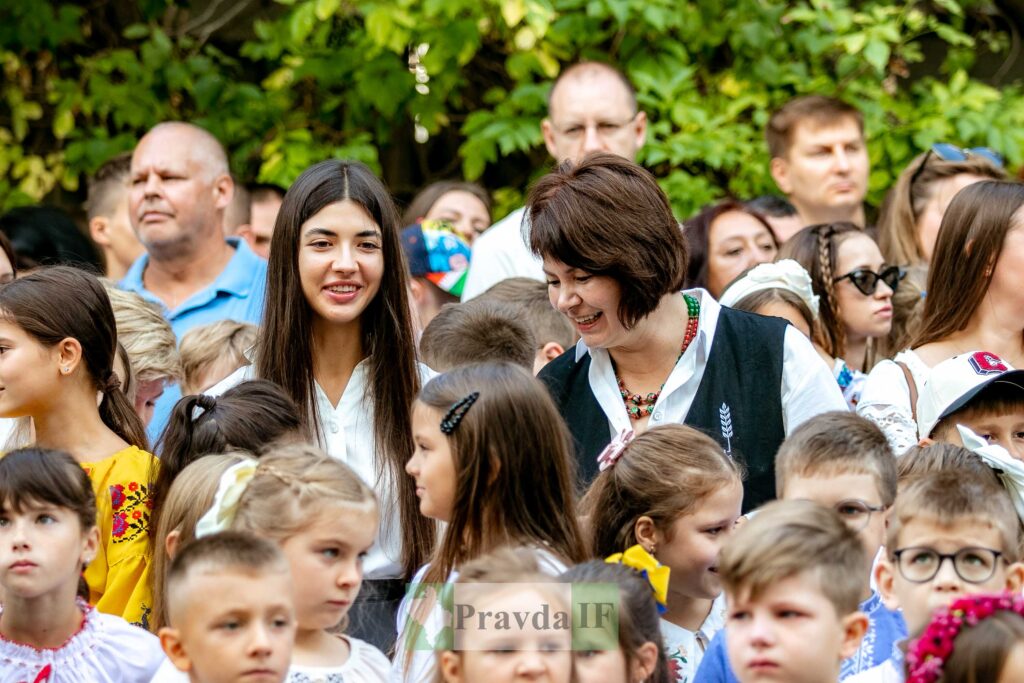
column 649, row 353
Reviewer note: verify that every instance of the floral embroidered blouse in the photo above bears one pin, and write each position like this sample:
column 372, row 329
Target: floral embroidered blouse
column 119, row 576
column 685, row 649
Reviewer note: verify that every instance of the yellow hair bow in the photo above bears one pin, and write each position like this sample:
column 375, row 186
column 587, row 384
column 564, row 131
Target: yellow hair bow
column 656, row 573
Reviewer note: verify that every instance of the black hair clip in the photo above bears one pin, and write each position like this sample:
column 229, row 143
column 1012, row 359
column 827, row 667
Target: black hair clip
column 458, row 410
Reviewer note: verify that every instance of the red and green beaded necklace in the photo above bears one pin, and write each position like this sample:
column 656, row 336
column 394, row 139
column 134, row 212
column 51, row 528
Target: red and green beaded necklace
column 639, row 406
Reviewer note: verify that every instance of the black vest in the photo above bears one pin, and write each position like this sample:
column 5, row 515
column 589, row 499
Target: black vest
column 738, row 402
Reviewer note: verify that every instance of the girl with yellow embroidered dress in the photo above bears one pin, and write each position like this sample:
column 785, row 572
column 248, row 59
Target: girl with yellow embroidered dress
column 57, row 347
column 673, row 491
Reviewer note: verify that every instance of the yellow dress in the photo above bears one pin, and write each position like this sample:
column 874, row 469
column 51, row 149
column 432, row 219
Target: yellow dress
column 119, row 576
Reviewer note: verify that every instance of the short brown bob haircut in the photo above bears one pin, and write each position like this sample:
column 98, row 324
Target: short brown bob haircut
column 819, row 110
column 607, row 216
column 789, row 538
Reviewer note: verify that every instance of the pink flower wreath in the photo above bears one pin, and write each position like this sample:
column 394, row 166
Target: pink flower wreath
column 928, row 654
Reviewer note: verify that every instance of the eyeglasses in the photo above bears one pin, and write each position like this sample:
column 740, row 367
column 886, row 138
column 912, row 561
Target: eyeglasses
column 973, row 565
column 949, row 152
column 856, row 513
column 867, row 280
column 604, row 129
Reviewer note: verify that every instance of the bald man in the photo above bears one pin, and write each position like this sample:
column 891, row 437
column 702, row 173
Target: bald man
column 179, row 188
column 591, row 108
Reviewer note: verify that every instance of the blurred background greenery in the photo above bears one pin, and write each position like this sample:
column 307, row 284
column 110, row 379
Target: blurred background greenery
column 430, row 89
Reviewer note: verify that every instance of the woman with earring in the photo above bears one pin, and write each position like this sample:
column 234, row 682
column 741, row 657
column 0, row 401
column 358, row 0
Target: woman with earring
column 975, row 301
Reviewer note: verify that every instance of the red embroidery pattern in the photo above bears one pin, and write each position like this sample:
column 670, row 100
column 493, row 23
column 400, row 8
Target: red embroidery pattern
column 131, row 505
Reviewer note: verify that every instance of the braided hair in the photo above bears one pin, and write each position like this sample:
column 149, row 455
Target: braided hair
column 816, row 248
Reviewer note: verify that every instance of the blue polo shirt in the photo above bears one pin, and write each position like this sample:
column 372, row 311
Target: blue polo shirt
column 238, row 293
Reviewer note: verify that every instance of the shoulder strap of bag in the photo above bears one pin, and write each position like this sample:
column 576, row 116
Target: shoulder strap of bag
column 912, row 385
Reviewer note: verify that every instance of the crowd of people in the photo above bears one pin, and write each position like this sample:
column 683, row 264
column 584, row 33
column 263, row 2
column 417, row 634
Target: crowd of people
column 266, row 434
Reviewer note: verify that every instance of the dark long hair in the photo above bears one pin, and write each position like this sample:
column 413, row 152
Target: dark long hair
column 55, row 303
column 697, row 230
column 285, row 353
column 970, row 241
column 247, row 417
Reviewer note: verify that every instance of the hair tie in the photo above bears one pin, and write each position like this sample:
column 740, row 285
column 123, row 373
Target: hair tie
column 656, row 573
column 225, row 504
column 112, row 383
column 454, row 416
column 928, row 654
column 613, row 451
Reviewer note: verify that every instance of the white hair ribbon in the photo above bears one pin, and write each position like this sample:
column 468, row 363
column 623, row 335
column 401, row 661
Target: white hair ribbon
column 1009, row 470
column 225, row 504
column 785, row 274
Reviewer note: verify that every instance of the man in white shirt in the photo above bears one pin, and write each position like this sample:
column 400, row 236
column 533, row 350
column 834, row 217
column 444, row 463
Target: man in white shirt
column 591, row 108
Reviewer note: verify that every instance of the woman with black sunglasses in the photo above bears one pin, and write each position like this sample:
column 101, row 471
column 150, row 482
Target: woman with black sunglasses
column 855, row 286
column 974, row 302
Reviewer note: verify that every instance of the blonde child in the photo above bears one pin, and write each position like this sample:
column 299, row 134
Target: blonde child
column 794, row 575
column 844, row 462
column 47, row 534
column 951, row 534
column 232, row 615
column 977, row 638
column 636, row 654
column 508, row 582
column 209, row 353
column 493, row 462
column 674, row 491
column 58, row 340
column 324, row 519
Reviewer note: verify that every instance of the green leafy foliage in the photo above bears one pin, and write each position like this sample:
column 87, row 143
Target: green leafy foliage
column 421, row 89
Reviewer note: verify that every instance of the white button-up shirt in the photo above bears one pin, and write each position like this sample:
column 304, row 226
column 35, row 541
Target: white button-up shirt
column 808, row 387
column 347, row 430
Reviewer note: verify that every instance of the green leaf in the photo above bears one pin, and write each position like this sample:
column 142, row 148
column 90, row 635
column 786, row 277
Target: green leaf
column 877, row 54
column 325, row 9
column 136, row 31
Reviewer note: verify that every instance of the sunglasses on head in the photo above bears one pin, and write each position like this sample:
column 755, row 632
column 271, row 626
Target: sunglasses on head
column 949, row 152
column 867, row 280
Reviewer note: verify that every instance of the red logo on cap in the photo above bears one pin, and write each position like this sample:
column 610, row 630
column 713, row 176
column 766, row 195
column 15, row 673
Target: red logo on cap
column 985, row 363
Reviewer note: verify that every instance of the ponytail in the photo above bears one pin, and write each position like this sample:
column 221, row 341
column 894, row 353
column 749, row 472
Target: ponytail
column 118, row 413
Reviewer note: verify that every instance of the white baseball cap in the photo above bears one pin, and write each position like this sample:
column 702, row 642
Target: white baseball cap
column 955, row 382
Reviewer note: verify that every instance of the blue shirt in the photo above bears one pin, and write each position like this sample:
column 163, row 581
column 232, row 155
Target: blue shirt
column 885, row 629
column 238, row 294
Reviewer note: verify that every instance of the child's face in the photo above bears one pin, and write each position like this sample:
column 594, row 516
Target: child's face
column 326, row 561
column 610, row 666
column 1002, row 430
column 236, row 626
column 1013, row 667
column 431, row 464
column 850, row 494
column 691, row 548
column 768, row 638
column 42, row 549
column 28, row 372
column 919, row 600
column 514, row 653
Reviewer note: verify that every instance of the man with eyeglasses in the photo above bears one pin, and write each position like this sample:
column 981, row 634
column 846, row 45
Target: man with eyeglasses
column 819, row 159
column 592, row 107
column 951, row 534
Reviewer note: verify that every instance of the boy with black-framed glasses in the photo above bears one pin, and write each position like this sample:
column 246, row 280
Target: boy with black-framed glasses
column 950, row 534
column 843, row 462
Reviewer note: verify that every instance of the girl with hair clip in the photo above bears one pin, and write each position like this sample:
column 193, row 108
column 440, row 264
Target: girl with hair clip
column 640, row 655
column 324, row 519
column 508, row 581
column 247, row 417
column 673, row 491
column 57, row 346
column 492, row 462
column 337, row 336
column 855, row 286
column 47, row 535
column 976, row 638
column 975, row 301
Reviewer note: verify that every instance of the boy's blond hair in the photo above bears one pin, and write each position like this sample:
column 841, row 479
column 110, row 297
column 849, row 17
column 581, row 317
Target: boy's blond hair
column 787, row 538
column 838, row 442
column 948, row 497
column 146, row 336
column 203, row 346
